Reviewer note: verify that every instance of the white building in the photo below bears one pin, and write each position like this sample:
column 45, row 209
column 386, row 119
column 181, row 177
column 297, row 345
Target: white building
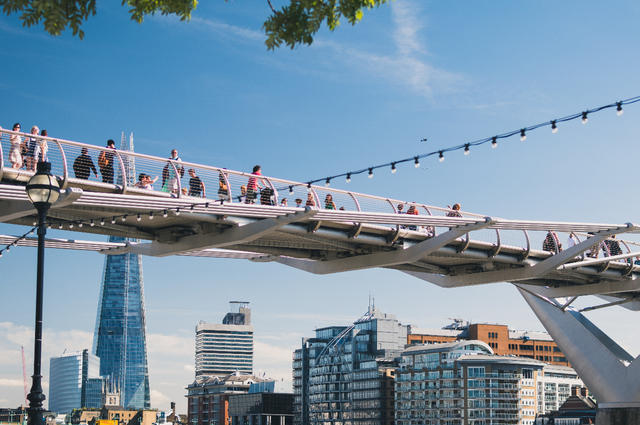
column 222, row 349
column 464, row 383
column 554, row 387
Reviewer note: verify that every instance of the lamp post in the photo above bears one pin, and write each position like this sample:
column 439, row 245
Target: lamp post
column 43, row 190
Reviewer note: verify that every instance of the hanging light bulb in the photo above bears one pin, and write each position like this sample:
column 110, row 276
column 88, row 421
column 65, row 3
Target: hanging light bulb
column 290, row 190
column 34, row 223
column 494, row 142
column 80, row 224
column 192, row 206
column 393, row 168
column 150, row 215
column 164, row 213
column 554, row 127
column 416, row 162
column 177, row 211
column 124, row 218
column 327, row 182
column 113, row 220
column 0, row 254
column 441, row 156
column 102, row 222
column 8, row 248
column 584, row 118
column 70, row 225
column 348, row 177
column 206, row 204
column 619, row 110
column 92, row 223
column 139, row 217
column 466, row 149
column 370, row 173
column 523, row 135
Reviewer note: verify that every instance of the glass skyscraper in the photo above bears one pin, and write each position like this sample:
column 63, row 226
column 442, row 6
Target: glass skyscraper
column 120, row 335
column 74, row 382
column 344, row 375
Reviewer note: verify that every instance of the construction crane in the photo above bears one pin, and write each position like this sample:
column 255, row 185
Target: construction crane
column 24, row 376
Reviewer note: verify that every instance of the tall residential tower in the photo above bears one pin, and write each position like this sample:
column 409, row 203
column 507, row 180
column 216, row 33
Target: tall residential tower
column 222, row 349
column 120, row 335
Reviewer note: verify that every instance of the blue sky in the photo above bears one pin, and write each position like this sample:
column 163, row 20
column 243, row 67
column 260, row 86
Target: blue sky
column 450, row 72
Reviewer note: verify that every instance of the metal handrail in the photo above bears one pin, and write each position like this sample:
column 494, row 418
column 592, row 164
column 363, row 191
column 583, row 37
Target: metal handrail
column 285, row 182
column 69, row 148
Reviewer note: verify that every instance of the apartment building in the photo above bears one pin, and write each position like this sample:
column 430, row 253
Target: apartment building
column 344, row 375
column 466, row 383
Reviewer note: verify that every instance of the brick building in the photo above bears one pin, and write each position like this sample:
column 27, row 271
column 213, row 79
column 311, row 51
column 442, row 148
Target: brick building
column 502, row 340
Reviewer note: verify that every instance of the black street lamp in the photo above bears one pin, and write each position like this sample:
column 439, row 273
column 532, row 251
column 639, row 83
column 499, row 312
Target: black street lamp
column 43, row 190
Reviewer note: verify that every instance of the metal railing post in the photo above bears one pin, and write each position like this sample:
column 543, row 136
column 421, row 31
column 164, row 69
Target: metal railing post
column 226, row 182
column 65, row 169
column 273, row 189
column 123, row 171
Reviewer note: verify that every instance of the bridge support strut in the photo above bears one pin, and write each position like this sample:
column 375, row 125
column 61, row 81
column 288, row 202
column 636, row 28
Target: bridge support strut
column 611, row 373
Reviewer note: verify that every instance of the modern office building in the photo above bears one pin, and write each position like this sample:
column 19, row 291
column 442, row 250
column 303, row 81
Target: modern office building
column 208, row 397
column 502, row 340
column 344, row 375
column 465, row 383
column 74, row 382
column 261, row 408
column 120, row 334
column 222, row 349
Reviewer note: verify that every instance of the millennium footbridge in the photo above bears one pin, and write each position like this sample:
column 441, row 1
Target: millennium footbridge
column 323, row 230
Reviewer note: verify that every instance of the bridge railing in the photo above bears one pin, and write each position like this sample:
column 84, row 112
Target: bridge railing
column 219, row 183
column 103, row 169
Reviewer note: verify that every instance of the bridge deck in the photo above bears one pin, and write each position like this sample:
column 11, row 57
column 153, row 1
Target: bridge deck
column 366, row 232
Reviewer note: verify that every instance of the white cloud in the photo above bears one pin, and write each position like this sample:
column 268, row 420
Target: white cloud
column 158, row 399
column 170, row 345
column 226, row 30
column 407, row 28
column 11, row 382
column 268, row 354
column 407, row 66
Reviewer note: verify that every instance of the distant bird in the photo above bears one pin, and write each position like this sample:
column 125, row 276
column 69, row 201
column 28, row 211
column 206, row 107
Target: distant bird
column 423, row 140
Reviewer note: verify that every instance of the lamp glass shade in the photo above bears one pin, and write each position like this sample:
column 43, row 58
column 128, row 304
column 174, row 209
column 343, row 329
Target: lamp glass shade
column 43, row 187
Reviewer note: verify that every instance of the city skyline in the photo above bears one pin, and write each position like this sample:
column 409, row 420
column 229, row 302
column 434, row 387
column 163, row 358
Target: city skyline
column 361, row 95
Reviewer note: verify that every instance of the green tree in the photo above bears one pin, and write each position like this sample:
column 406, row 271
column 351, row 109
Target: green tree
column 293, row 24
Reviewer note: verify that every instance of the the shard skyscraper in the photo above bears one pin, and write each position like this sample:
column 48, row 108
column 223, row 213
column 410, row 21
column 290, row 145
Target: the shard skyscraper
column 120, row 335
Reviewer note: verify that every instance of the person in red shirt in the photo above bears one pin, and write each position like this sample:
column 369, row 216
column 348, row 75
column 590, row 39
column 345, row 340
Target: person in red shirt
column 254, row 184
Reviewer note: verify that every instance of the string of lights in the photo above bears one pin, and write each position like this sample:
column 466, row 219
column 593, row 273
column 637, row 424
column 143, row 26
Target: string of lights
column 466, row 147
column 17, row 240
column 112, row 219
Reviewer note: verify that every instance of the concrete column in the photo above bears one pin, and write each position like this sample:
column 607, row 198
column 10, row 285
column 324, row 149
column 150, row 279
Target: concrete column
column 617, row 415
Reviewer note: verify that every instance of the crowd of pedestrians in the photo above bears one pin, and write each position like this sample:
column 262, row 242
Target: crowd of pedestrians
column 26, row 152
